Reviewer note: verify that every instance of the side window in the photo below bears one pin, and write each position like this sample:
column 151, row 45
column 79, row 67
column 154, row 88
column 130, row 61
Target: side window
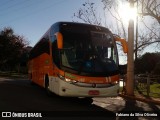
column 44, row 46
column 55, row 54
column 40, row 48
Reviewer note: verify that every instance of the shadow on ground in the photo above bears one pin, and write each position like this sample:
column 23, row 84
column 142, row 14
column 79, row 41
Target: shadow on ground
column 20, row 95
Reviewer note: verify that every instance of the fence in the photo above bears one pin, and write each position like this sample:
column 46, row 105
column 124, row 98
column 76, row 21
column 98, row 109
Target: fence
column 148, row 85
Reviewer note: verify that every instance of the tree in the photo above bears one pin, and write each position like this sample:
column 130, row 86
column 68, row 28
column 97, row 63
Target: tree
column 150, row 8
column 151, row 37
column 148, row 63
column 11, row 47
column 89, row 14
column 157, row 69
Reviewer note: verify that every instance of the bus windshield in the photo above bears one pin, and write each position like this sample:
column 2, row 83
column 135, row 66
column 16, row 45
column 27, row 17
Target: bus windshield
column 89, row 53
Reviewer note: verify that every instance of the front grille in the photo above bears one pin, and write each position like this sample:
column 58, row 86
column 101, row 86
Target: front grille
column 92, row 85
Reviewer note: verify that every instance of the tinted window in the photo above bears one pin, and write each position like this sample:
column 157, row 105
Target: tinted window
column 40, row 48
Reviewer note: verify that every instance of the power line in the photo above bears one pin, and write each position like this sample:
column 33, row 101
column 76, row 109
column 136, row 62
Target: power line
column 10, row 5
column 5, row 2
column 8, row 9
column 35, row 12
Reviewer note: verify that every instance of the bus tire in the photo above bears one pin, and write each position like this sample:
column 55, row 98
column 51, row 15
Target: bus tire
column 88, row 100
column 47, row 85
column 31, row 81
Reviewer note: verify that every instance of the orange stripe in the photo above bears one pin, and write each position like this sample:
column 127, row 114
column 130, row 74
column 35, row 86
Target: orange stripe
column 115, row 78
column 85, row 79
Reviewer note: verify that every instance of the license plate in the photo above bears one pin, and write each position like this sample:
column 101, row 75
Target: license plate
column 93, row 92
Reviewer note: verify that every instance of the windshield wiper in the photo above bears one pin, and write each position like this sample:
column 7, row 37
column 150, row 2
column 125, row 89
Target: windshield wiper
column 70, row 48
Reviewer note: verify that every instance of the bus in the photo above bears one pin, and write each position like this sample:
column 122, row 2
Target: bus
column 76, row 60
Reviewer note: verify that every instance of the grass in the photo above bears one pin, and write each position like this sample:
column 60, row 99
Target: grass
column 155, row 88
column 154, row 91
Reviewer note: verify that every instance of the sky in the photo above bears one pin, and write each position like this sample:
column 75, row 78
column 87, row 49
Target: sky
column 32, row 18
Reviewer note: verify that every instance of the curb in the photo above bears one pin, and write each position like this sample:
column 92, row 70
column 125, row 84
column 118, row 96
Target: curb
column 141, row 99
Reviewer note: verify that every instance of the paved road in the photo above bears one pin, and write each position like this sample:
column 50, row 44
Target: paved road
column 20, row 95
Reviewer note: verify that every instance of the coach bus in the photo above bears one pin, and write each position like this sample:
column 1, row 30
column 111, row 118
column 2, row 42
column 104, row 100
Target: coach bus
column 76, row 60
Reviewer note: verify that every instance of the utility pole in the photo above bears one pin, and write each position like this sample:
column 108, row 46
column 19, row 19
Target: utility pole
column 136, row 51
column 130, row 65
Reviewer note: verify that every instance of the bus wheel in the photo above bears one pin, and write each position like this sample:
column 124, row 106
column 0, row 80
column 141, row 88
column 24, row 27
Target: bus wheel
column 47, row 85
column 31, row 81
column 87, row 100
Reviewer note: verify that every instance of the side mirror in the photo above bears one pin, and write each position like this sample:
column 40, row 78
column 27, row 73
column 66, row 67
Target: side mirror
column 59, row 40
column 124, row 44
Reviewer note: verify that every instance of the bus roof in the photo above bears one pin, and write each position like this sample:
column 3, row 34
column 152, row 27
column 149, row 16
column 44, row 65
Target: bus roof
column 96, row 27
column 90, row 26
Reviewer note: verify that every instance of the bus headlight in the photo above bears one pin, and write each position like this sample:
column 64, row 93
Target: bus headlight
column 61, row 77
column 70, row 81
column 66, row 79
column 115, row 82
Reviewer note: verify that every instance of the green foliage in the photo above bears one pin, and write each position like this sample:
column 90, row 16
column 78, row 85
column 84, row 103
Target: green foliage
column 154, row 90
column 157, row 69
column 148, row 63
column 12, row 47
